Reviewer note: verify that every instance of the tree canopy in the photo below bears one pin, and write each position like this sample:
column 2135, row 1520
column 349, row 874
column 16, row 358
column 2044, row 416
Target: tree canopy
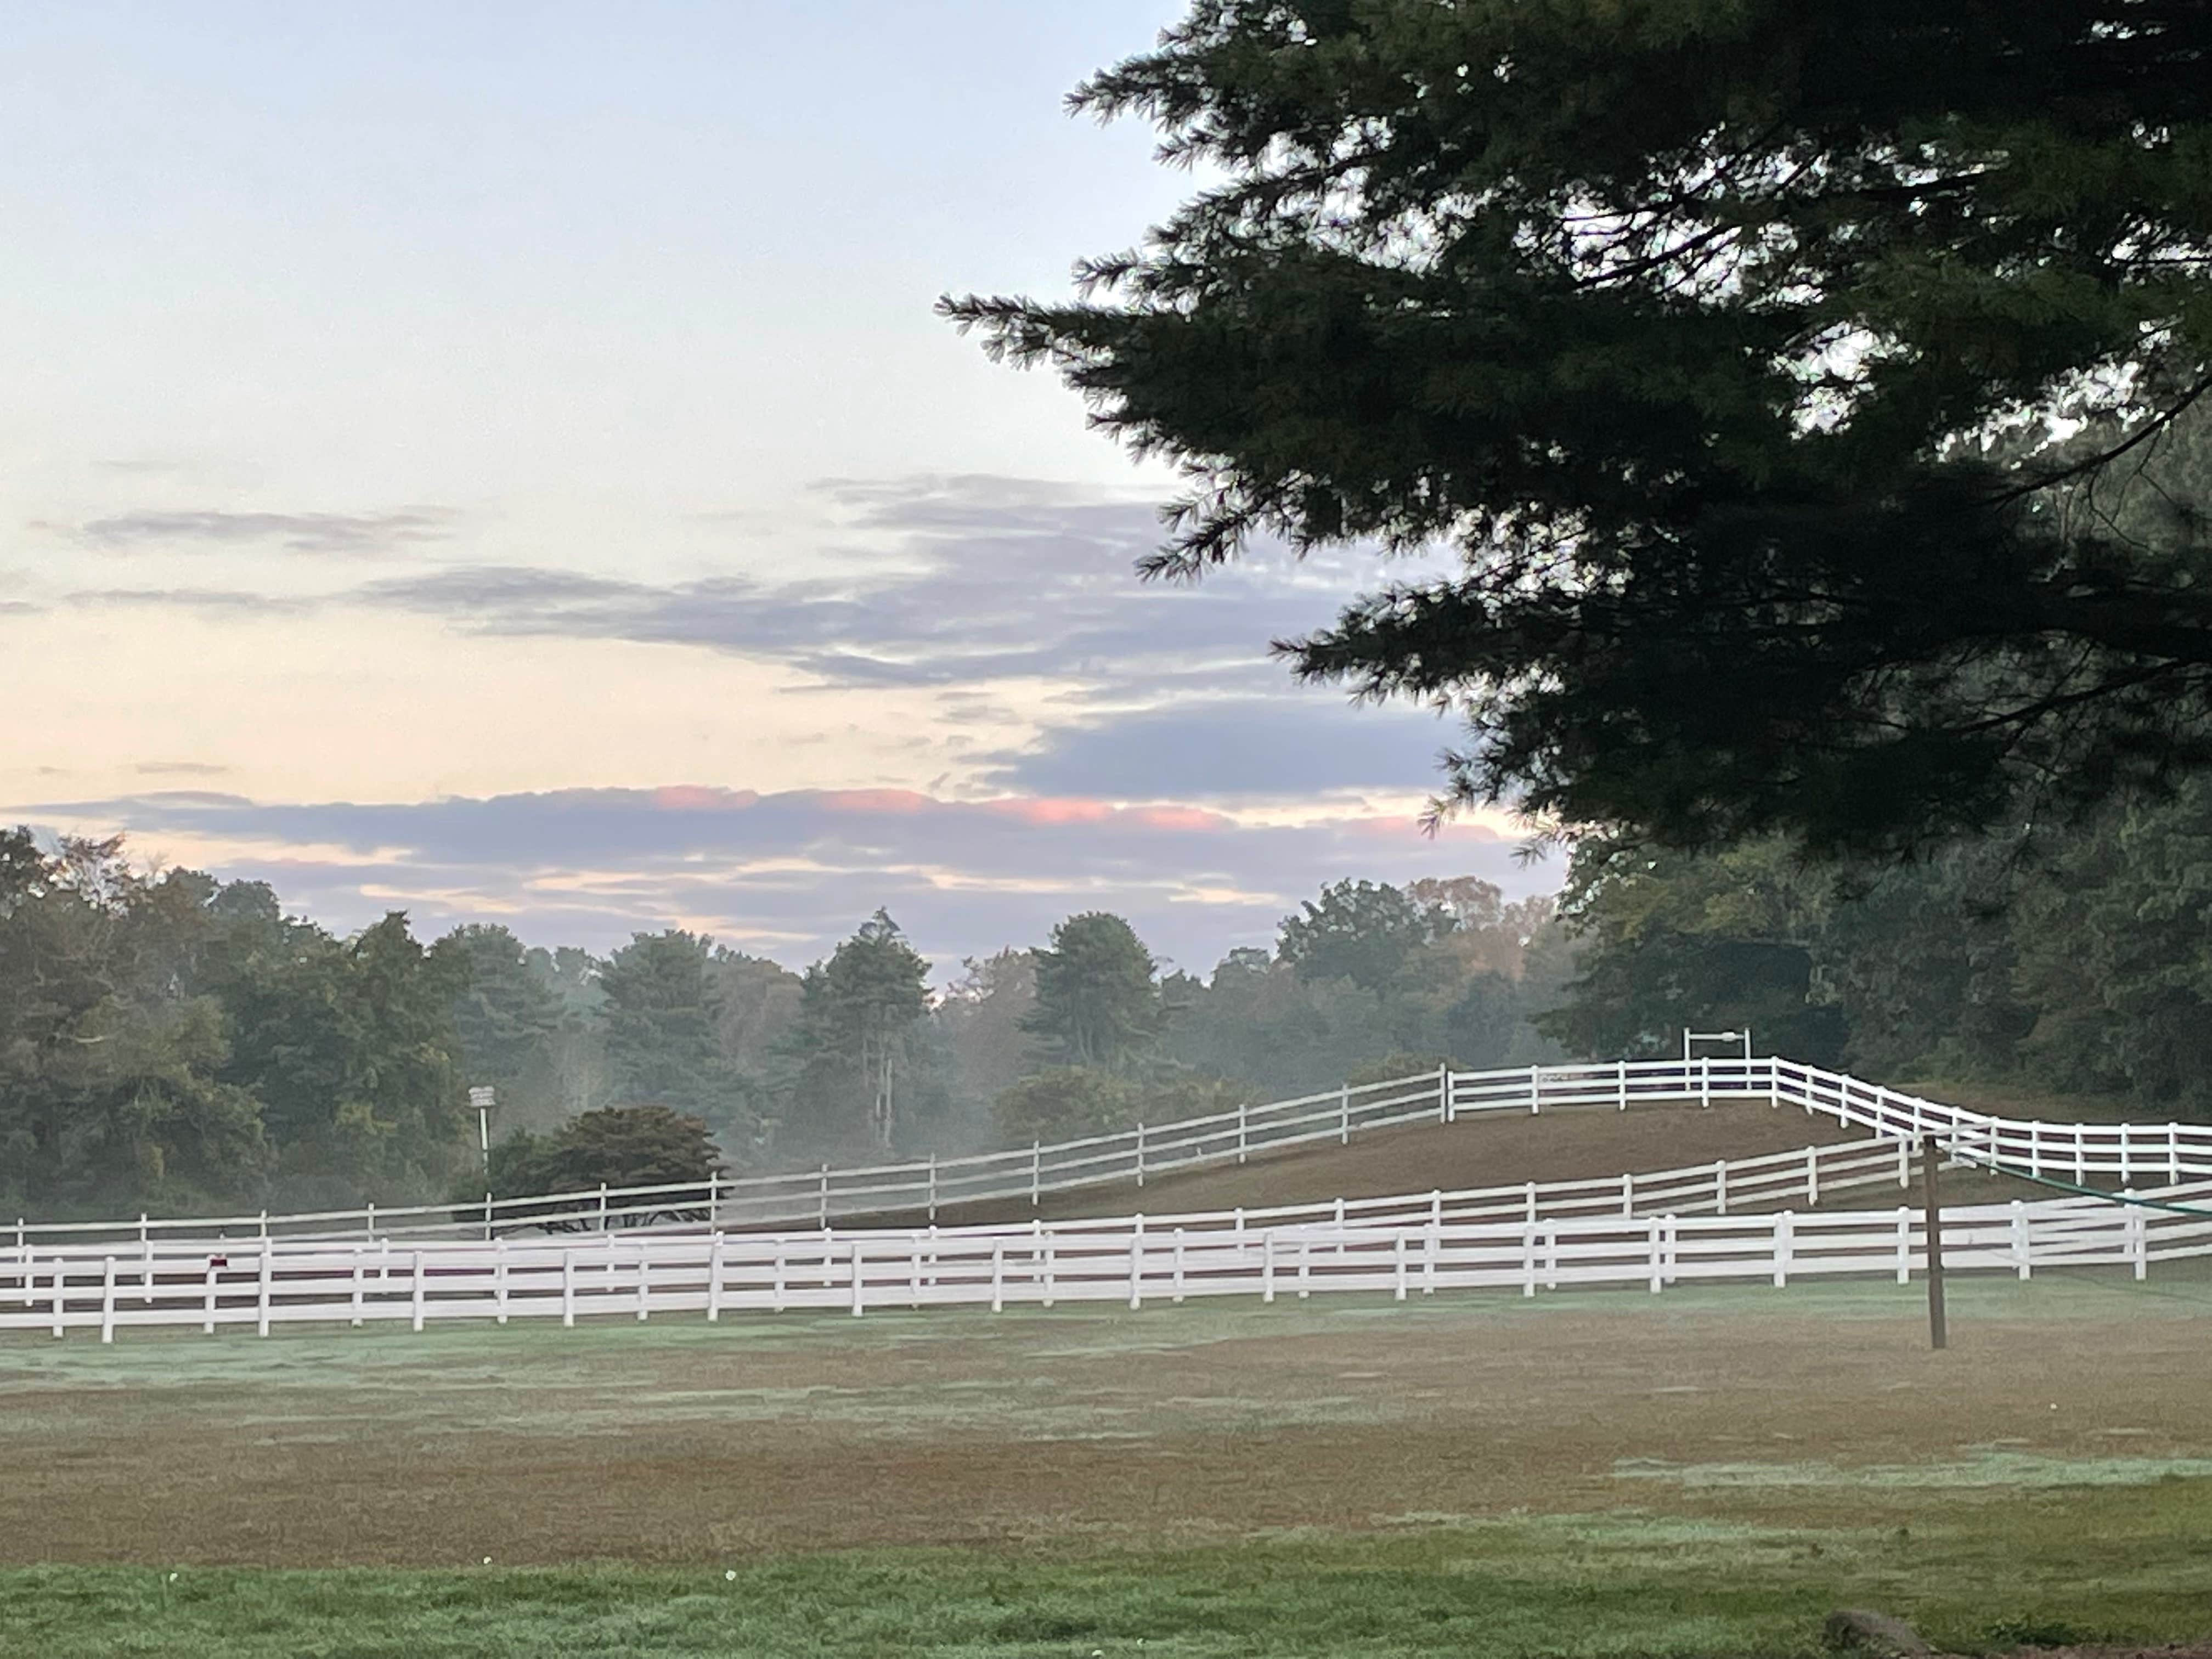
column 1773, row 368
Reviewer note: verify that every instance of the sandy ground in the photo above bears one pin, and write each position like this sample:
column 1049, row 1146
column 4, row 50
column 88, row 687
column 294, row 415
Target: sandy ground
column 680, row 1441
column 1489, row 1150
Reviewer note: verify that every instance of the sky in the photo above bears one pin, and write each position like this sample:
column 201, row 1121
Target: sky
column 499, row 462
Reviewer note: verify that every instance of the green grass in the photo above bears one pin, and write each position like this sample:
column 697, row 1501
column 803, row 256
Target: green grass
column 2095, row 1563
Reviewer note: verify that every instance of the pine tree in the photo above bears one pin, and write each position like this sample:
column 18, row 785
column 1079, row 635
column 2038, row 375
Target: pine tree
column 1736, row 349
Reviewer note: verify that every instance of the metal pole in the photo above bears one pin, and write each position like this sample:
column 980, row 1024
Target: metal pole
column 1931, row 1160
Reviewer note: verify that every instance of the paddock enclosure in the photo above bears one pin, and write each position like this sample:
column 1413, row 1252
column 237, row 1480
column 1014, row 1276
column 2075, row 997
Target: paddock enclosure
column 2129, row 1197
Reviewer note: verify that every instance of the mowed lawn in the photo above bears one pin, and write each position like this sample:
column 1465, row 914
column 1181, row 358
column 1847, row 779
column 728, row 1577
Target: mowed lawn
column 1706, row 1472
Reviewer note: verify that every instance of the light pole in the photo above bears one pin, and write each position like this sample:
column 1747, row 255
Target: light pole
column 481, row 1098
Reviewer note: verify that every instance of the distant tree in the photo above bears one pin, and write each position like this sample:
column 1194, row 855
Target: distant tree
column 508, row 1021
column 661, row 1017
column 1362, row 931
column 1061, row 1103
column 858, row 1014
column 111, row 1051
column 980, row 1017
column 1097, row 1003
column 1676, row 940
column 615, row 1147
column 583, row 1077
column 350, row 1046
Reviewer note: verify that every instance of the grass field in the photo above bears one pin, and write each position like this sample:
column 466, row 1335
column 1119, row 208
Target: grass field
column 1708, row 1472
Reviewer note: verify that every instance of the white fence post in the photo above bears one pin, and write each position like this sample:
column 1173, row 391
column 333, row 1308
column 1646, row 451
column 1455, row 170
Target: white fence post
column 2172, row 1156
column 860, row 1280
column 1344, row 1114
column 1720, row 1186
column 1528, row 1257
column 567, row 1288
column 1812, row 1176
column 1398, row 1264
column 261, row 1320
column 61, row 1293
column 416, row 1278
column 715, row 1279
column 1535, row 1090
column 1904, row 1245
column 499, row 1283
column 1036, row 1165
column 1447, row 1108
column 1177, row 1286
column 1268, row 1265
column 1627, row 1193
column 1137, row 1263
column 644, row 1280
column 207, row 1305
column 107, row 1302
column 146, row 1251
column 603, row 1206
column 2137, row 1230
column 825, row 1196
column 1621, row 1081
column 1658, row 1260
column 1244, row 1122
column 360, row 1287
column 1140, row 1154
column 2022, row 1251
column 998, row 1277
column 932, row 1186
column 1706, row 1081
column 1784, row 1233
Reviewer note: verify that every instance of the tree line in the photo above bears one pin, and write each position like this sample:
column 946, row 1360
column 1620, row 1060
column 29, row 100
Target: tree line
column 179, row 1043
column 2071, row 959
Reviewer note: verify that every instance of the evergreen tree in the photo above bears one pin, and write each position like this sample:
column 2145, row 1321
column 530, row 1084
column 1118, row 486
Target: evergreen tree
column 858, row 1014
column 1737, row 350
column 506, row 1021
column 661, row 1016
column 1097, row 1003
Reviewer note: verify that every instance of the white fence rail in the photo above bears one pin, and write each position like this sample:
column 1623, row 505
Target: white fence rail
column 275, row 1281
column 2080, row 1153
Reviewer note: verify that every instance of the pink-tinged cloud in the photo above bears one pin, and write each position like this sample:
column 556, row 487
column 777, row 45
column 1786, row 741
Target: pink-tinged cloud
column 1047, row 811
column 1179, row 817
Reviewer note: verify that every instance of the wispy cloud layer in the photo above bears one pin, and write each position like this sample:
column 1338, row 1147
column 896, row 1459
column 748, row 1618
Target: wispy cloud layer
column 150, row 528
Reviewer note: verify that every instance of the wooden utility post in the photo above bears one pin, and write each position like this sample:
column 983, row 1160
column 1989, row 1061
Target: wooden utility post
column 1931, row 1159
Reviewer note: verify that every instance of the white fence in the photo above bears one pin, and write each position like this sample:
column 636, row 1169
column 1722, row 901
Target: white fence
column 275, row 1281
column 2080, row 1153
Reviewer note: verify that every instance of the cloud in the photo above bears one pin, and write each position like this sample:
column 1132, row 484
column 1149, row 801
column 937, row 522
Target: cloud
column 1249, row 748
column 789, row 874
column 178, row 770
column 208, row 601
column 295, row 533
column 968, row 580
column 20, row 608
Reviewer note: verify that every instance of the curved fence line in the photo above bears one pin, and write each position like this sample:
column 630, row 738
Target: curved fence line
column 2171, row 1152
column 289, row 1282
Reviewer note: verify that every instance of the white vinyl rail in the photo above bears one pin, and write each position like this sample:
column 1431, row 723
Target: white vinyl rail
column 272, row 1281
column 2080, row 1152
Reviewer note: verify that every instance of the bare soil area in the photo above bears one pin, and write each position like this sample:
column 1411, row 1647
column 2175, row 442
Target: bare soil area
column 1493, row 1149
column 684, row 1442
